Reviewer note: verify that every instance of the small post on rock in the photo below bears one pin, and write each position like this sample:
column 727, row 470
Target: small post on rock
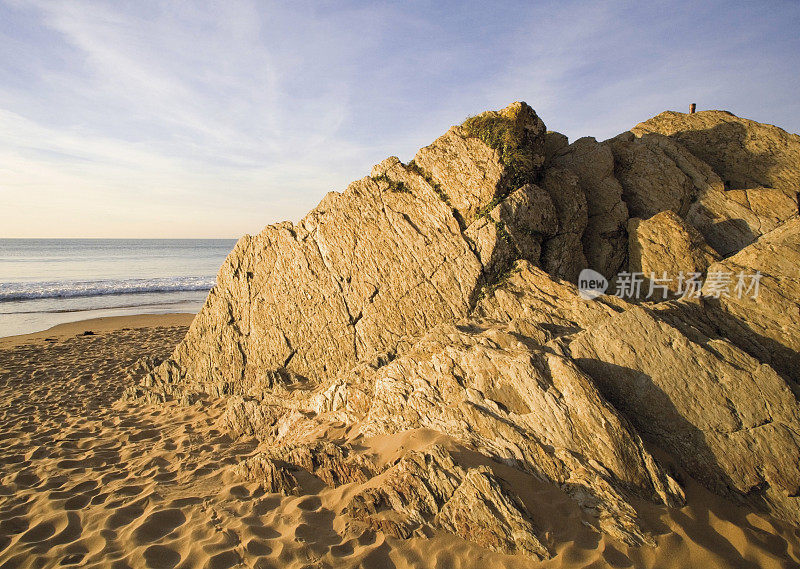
column 692, row 108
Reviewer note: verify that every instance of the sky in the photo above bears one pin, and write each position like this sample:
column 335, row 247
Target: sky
column 214, row 119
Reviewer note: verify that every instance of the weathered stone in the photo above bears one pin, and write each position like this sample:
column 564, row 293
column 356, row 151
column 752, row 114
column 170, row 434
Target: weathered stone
column 744, row 153
column 525, row 406
column 733, row 219
column 484, row 159
column 769, row 316
column 272, row 476
column 514, row 228
column 250, row 417
column 657, row 174
column 420, row 298
column 666, row 247
column 554, row 142
column 604, row 237
column 429, row 487
column 360, row 271
column 482, row 512
column 529, row 216
column 731, row 421
column 531, row 295
column 562, row 254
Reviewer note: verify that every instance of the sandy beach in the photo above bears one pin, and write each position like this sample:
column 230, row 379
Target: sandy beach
column 87, row 480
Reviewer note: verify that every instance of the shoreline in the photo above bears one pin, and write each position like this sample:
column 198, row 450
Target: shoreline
column 102, row 324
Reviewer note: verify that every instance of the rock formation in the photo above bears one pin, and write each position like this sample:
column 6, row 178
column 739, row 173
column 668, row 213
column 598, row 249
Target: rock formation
column 440, row 295
column 665, row 247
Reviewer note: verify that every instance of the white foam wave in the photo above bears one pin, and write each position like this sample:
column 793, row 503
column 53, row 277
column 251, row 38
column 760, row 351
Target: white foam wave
column 75, row 289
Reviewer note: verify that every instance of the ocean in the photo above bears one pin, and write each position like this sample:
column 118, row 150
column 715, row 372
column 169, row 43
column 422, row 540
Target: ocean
column 44, row 282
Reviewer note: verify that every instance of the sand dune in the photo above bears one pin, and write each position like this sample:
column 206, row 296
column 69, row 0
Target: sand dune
column 88, row 481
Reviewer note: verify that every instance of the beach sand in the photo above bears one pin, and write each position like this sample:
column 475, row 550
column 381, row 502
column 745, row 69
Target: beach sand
column 86, row 480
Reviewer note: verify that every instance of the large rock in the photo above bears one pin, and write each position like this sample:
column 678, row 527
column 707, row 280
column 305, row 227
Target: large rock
column 526, row 406
column 766, row 317
column 530, row 295
column 757, row 163
column 732, row 219
column 468, row 502
column 486, row 158
column 666, row 246
column 604, row 238
column 657, row 174
column 385, row 259
column 744, row 153
column 562, row 254
column 429, row 295
column 514, row 229
column 731, row 421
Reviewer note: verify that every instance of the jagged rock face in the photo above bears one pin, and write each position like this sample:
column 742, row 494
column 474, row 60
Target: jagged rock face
column 604, row 238
column 757, row 169
column 423, row 488
column 470, row 503
column 530, row 295
column 744, row 153
column 768, row 320
column 490, row 155
column 514, row 229
column 525, row 406
column 363, row 269
column 562, row 254
column 657, row 174
column 666, row 245
column 732, row 219
column 730, row 420
column 428, row 295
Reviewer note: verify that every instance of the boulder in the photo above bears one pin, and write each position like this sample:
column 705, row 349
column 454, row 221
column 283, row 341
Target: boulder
column 665, row 246
column 554, row 142
column 732, row 219
column 530, row 295
column 732, row 422
column 766, row 317
column 468, row 502
column 657, row 174
column 385, row 259
column 744, row 153
column 486, row 158
column 604, row 238
column 528, row 407
column 562, row 254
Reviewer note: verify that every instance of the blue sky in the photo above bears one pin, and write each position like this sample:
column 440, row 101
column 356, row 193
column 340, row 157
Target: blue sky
column 213, row 119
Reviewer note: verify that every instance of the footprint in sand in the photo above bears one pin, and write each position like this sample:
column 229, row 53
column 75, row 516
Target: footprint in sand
column 123, row 516
column 258, row 548
column 157, row 525
column 223, row 560
column 160, row 557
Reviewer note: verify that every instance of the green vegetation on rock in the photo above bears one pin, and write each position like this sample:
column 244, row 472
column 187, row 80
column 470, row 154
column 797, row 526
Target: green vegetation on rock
column 508, row 137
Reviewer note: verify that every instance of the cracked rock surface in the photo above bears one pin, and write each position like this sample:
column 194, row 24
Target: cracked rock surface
column 440, row 296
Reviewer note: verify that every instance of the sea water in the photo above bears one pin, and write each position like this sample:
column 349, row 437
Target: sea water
column 44, row 282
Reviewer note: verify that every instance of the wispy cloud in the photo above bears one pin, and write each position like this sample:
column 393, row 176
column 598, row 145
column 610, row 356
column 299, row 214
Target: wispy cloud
column 215, row 118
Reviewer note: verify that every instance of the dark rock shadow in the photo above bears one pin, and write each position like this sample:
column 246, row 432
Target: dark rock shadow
column 651, row 411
